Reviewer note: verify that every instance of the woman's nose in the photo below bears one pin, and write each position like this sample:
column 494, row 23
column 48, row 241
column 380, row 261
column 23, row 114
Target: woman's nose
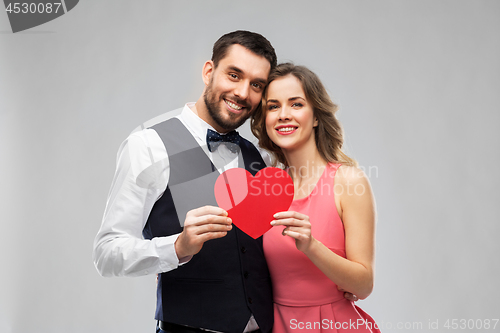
column 284, row 113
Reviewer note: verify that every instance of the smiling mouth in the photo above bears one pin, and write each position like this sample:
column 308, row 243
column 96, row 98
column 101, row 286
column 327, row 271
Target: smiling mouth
column 234, row 106
column 286, row 130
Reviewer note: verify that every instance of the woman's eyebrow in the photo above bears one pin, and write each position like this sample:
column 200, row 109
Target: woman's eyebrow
column 291, row 99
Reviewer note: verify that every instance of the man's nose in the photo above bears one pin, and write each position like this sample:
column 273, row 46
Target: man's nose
column 242, row 90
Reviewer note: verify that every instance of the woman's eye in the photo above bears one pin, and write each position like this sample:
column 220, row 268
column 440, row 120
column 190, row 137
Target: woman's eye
column 272, row 107
column 298, row 105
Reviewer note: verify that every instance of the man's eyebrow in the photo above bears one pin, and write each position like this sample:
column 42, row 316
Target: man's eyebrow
column 263, row 81
column 235, row 69
column 239, row 71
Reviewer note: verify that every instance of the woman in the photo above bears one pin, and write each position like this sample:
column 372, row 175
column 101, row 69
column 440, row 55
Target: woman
column 324, row 244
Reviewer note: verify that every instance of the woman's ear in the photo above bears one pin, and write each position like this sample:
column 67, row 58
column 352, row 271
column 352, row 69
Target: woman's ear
column 315, row 122
column 208, row 69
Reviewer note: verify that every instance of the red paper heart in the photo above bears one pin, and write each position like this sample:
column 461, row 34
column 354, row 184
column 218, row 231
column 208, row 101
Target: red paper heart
column 251, row 201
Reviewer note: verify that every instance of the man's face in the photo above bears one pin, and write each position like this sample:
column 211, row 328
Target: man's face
column 235, row 88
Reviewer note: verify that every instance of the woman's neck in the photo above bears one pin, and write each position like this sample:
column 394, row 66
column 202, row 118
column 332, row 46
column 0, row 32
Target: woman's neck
column 304, row 164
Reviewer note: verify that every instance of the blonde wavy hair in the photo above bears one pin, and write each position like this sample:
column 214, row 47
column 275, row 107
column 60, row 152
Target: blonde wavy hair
column 329, row 134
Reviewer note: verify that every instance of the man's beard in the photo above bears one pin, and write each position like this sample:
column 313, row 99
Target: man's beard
column 214, row 110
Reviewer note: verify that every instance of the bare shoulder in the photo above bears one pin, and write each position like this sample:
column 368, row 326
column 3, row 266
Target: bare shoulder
column 352, row 185
column 351, row 176
column 355, row 197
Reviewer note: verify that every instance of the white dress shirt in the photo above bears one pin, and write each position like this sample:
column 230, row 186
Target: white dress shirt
column 141, row 176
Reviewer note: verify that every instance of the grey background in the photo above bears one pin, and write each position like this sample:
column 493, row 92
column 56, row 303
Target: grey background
column 418, row 84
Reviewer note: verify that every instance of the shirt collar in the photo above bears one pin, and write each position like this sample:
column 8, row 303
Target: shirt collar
column 197, row 126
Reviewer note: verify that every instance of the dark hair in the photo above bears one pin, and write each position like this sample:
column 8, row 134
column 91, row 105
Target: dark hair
column 329, row 135
column 254, row 42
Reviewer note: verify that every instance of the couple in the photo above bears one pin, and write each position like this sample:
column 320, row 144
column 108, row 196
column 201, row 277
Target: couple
column 162, row 218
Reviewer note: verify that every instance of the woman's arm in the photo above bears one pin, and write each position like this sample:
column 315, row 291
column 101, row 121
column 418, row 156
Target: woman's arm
column 356, row 207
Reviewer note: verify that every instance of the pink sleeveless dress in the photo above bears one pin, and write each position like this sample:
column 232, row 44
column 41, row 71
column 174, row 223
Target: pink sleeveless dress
column 305, row 300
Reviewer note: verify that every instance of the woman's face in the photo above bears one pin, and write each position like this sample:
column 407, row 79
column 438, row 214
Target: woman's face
column 290, row 119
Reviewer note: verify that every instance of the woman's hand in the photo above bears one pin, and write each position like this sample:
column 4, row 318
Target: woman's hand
column 297, row 226
column 348, row 295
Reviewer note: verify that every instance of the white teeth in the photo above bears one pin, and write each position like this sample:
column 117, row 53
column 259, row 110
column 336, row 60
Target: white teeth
column 286, row 129
column 234, row 106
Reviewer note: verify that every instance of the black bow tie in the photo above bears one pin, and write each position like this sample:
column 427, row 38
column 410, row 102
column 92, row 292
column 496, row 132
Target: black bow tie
column 232, row 139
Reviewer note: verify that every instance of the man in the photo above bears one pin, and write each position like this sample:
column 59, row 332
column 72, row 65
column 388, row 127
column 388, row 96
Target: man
column 212, row 276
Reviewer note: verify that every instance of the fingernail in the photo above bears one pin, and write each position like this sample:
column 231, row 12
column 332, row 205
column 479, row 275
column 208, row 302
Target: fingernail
column 230, row 220
column 273, row 222
column 276, row 215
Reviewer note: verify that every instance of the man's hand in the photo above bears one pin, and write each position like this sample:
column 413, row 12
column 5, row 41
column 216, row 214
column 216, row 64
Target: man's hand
column 201, row 224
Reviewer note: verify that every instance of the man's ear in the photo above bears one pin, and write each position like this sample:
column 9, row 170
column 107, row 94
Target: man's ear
column 208, row 69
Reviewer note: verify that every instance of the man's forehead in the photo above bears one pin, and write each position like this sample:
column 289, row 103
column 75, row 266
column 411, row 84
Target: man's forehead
column 242, row 60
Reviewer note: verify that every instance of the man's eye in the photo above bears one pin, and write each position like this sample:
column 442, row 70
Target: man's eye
column 233, row 76
column 257, row 86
